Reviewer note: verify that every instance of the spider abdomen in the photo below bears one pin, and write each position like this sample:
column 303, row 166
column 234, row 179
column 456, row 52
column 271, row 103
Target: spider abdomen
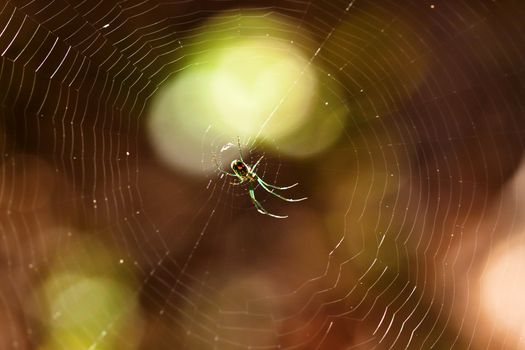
column 240, row 169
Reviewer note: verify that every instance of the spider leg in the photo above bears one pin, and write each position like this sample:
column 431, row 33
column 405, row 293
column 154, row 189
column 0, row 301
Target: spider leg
column 259, row 207
column 271, row 191
column 239, row 146
column 278, row 187
column 257, row 163
column 227, row 173
column 219, row 167
column 237, row 183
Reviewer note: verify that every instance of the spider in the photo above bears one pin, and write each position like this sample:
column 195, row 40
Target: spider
column 245, row 174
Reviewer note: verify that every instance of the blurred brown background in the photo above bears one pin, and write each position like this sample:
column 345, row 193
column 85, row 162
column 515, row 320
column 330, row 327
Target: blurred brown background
column 402, row 121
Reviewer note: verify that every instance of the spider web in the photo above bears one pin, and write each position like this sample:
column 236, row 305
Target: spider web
column 404, row 211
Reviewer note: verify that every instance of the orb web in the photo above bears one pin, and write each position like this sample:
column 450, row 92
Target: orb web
column 414, row 210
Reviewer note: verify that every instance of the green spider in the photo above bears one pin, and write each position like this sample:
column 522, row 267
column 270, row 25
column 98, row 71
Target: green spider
column 246, row 174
